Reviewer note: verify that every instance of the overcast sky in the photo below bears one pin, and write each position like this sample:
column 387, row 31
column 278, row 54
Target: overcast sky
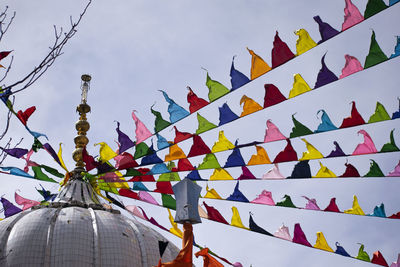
column 132, row 49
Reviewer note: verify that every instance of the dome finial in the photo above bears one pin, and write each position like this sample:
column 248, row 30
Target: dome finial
column 82, row 126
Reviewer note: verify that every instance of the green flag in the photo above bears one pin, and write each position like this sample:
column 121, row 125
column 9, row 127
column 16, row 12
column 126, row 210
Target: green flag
column 209, row 162
column 168, row 201
column 380, row 114
column 287, row 202
column 373, row 7
column 375, row 54
column 169, row 176
column 391, row 146
column 40, row 175
column 374, row 170
column 215, row 89
column 159, row 123
column 204, row 125
column 362, row 255
column 52, row 171
column 299, row 129
column 141, row 150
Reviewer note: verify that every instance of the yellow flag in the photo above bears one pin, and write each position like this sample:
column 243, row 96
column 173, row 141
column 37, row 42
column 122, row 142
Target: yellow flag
column 222, row 144
column 311, row 153
column 304, row 41
column 249, row 106
column 260, row 158
column 106, row 153
column 236, row 220
column 324, row 172
column 356, row 209
column 299, row 86
column 59, row 155
column 321, row 243
column 175, row 152
column 211, row 193
column 258, row 65
column 174, row 230
column 220, row 174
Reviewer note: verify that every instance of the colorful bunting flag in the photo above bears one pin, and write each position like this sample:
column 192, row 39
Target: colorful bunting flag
column 185, row 165
column 283, row 233
column 159, row 122
column 4, row 54
column 60, row 158
column 226, row 114
column 174, row 230
column 280, row 53
column 351, row 66
column 311, row 153
column 249, row 106
column 211, row 193
column 321, row 243
column 168, row 201
column 354, row 119
column 198, row 147
column 215, row 89
column 326, row 123
column 380, row 114
column 391, row 146
column 397, row 47
column 194, row 175
column 286, row 202
column 379, row 211
column 374, row 170
column 203, row 124
column 255, row 228
column 272, row 133
column 141, row 131
column 300, row 86
column 15, row 152
column 237, row 195
column 299, row 237
column 26, row 203
column 367, row 147
column 301, row 170
column 378, row 258
column 175, row 111
column 341, row 251
column 325, row 75
column 220, row 174
column 209, row 162
column 272, row 95
column 299, row 129
column 175, row 152
column 40, row 175
column 23, row 116
column 258, row 65
column 352, row 15
column 125, row 161
column 235, row 158
column 373, row 7
column 164, row 188
column 246, row 174
column 124, row 140
column 214, row 214
column 362, row 255
column 9, row 208
column 375, row 54
column 350, row 171
column 209, row 261
column 161, row 142
column 151, row 159
column 236, row 220
column 222, row 144
column 106, row 153
column 238, row 79
column 324, row 172
column 288, row 154
column 304, row 42
column 396, row 171
column 264, row 198
column 337, row 152
column 356, row 209
column 273, row 173
column 260, row 158
column 195, row 103
column 326, row 31
column 180, row 136
column 332, row 206
column 311, row 205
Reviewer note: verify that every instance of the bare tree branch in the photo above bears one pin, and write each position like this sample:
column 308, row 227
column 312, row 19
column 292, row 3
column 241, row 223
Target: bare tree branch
column 55, row 51
column 8, row 69
column 9, row 114
column 3, row 24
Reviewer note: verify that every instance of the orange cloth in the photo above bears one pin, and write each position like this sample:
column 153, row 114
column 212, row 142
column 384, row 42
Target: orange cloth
column 209, row 261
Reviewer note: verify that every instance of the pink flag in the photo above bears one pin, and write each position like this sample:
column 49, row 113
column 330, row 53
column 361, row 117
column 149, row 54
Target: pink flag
column 273, row 173
column 352, row 15
column 135, row 211
column 351, row 66
column 397, row 263
column 395, row 172
column 311, row 204
column 29, row 163
column 125, row 161
column 111, row 177
column 145, row 196
column 27, row 203
column 283, row 232
column 142, row 133
column 264, row 198
column 272, row 133
column 367, row 147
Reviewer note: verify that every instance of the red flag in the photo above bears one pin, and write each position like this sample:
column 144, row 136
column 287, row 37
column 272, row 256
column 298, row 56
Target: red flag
column 214, row 214
column 128, row 193
column 180, row 136
column 24, row 116
column 4, row 54
column 195, row 103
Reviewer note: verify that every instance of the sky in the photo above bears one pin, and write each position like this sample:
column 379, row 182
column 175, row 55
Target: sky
column 132, row 49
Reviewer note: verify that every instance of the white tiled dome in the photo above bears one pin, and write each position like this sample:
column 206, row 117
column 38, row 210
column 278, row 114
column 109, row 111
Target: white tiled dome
column 76, row 231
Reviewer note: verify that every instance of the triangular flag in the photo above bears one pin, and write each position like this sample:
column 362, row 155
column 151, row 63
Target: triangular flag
column 337, row 152
column 391, row 146
column 164, row 188
column 272, row 95
column 304, row 42
column 379, row 211
column 237, row 195
column 211, row 193
column 374, row 170
column 162, row 245
column 321, row 243
column 311, row 153
column 332, row 206
column 324, row 172
column 377, row 258
column 214, row 214
column 226, row 114
column 151, row 159
column 280, row 53
column 375, row 54
column 238, row 79
column 258, row 65
column 287, row 154
column 168, row 201
column 325, row 30
column 286, row 202
column 249, row 106
column 341, row 251
column 174, row 230
column 235, row 158
column 260, row 158
column 141, row 131
column 356, row 209
column 215, row 89
column 351, row 66
column 175, row 111
column 246, row 174
column 161, row 142
column 159, row 122
column 124, row 140
column 185, row 165
column 264, row 198
column 326, row 123
column 273, row 173
column 236, row 220
column 299, row 129
column 311, row 204
column 175, row 152
column 325, row 75
column 272, row 133
column 367, row 147
column 354, row 119
column 26, row 203
column 373, row 7
column 195, row 103
column 209, row 162
column 198, row 147
column 299, row 237
column 352, row 15
column 350, row 171
column 9, row 208
column 396, row 171
column 194, row 175
column 203, row 124
column 180, row 136
column 16, row 152
column 397, row 47
column 40, row 175
column 125, row 161
column 380, row 114
column 220, row 174
column 300, row 86
column 283, row 233
column 301, row 170
column 362, row 255
column 141, row 150
column 255, row 228
column 209, row 261
column 23, row 116
column 222, row 144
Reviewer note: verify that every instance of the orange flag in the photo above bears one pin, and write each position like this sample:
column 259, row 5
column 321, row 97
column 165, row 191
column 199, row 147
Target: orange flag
column 258, row 65
column 209, row 261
